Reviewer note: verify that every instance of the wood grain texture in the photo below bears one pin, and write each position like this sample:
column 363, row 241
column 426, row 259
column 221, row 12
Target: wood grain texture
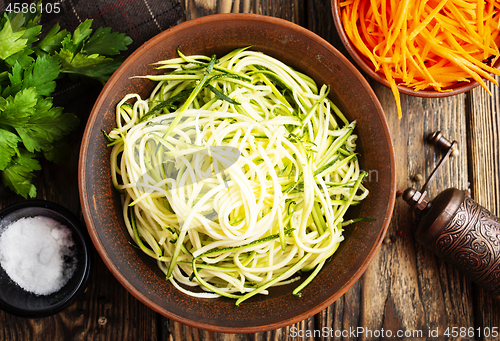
column 483, row 122
column 423, row 290
column 198, row 8
column 405, row 287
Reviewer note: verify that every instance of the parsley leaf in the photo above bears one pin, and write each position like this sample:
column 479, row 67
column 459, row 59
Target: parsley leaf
column 42, row 74
column 46, row 125
column 27, row 35
column 30, row 126
column 19, row 172
column 8, row 147
column 52, row 41
column 107, row 43
column 10, row 41
column 75, row 43
column 22, row 20
column 19, row 108
column 16, row 81
column 89, row 57
column 94, row 66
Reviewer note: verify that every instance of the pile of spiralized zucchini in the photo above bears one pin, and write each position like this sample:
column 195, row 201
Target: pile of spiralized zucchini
column 236, row 173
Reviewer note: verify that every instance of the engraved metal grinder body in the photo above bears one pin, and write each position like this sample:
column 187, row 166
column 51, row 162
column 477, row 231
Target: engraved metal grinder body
column 457, row 229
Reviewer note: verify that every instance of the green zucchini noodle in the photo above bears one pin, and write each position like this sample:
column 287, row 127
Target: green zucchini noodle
column 235, row 173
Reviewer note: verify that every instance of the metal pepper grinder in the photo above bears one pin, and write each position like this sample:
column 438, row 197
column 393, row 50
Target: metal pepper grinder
column 457, row 229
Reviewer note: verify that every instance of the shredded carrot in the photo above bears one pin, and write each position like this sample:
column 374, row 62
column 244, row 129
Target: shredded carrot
column 428, row 19
column 426, row 44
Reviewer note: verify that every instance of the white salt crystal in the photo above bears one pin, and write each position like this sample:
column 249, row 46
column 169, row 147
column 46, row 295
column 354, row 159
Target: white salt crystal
column 36, row 253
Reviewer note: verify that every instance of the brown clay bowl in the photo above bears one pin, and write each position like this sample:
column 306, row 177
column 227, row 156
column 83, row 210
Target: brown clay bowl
column 304, row 51
column 367, row 66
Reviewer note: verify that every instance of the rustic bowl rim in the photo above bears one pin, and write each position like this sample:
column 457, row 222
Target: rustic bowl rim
column 363, row 63
column 142, row 297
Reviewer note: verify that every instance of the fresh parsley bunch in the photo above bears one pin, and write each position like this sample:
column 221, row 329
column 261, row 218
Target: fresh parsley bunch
column 30, row 126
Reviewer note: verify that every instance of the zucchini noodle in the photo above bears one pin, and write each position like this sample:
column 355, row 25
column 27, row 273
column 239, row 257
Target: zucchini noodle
column 235, row 173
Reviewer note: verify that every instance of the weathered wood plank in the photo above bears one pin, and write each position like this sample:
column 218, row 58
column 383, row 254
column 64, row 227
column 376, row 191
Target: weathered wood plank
column 292, row 10
column 303, row 331
column 112, row 313
column 198, row 8
column 484, row 162
column 420, row 289
column 405, row 287
column 319, row 20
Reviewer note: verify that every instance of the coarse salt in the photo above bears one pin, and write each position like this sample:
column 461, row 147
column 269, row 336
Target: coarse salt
column 38, row 254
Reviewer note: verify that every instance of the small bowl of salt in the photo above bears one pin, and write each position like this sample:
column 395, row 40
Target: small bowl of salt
column 45, row 258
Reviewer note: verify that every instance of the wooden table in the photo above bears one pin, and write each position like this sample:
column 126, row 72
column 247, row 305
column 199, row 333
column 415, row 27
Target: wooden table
column 405, row 288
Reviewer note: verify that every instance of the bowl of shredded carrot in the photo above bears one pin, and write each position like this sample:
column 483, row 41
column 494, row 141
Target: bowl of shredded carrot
column 432, row 48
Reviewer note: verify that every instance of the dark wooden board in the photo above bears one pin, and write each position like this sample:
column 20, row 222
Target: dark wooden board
column 405, row 288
